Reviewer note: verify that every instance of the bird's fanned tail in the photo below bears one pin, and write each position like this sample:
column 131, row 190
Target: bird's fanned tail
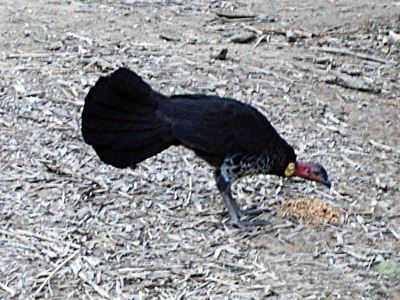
column 119, row 120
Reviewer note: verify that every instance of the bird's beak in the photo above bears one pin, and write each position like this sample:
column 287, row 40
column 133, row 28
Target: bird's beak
column 326, row 182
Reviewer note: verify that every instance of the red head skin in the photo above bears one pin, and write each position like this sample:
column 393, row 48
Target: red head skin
column 312, row 171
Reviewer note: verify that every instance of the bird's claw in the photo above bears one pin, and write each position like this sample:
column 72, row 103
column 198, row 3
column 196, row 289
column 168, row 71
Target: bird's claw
column 247, row 225
column 252, row 211
column 249, row 212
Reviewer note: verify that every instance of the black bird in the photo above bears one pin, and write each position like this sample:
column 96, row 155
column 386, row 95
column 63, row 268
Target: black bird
column 126, row 122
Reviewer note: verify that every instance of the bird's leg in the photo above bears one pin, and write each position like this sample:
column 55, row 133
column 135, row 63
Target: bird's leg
column 224, row 183
column 224, row 187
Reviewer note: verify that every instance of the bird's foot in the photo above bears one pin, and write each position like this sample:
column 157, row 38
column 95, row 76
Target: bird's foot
column 252, row 211
column 247, row 225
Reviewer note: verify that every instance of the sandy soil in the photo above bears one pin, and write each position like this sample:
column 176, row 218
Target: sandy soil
column 73, row 227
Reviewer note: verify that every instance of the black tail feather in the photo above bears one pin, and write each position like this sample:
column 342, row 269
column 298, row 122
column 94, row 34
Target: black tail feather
column 122, row 158
column 114, row 125
column 119, row 120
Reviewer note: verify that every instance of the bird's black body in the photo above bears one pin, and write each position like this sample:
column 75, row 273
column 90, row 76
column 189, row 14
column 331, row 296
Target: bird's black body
column 127, row 122
column 216, row 127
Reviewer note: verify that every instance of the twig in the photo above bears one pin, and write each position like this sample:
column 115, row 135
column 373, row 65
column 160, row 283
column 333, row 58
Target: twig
column 189, row 196
column 335, row 28
column 79, row 37
column 354, row 152
column 230, row 15
column 78, row 103
column 221, row 282
column 19, row 68
column 7, row 289
column 151, row 268
column 350, row 82
column 298, row 32
column 169, row 38
column 260, row 40
column 356, row 255
column 58, row 268
column 95, row 286
column 351, row 53
column 268, row 72
column 37, row 55
column 251, row 28
column 394, row 233
column 123, row 194
column 235, row 16
column 348, row 160
column 381, row 146
column 333, row 128
column 19, row 233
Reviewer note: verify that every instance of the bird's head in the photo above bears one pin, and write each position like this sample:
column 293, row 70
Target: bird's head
column 308, row 170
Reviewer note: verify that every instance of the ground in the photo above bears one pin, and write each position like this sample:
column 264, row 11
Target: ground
column 74, row 227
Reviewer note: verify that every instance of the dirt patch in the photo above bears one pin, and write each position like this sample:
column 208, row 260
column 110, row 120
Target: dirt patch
column 74, row 227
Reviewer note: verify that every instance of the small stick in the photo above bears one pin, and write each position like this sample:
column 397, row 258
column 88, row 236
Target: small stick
column 222, row 282
column 256, row 69
column 18, row 68
column 395, row 234
column 229, row 15
column 189, row 196
column 95, row 286
column 169, row 38
column 36, row 55
column 58, row 268
column 251, row 28
column 350, row 82
column 275, row 30
column 39, row 237
column 304, row 34
column 7, row 289
column 351, row 53
column 123, row 194
column 260, row 40
column 356, row 255
column 370, row 262
column 81, row 38
column 300, row 33
column 333, row 128
column 380, row 146
column 354, row 152
column 348, row 160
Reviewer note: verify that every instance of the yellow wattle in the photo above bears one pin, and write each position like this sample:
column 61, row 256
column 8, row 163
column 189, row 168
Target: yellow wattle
column 289, row 171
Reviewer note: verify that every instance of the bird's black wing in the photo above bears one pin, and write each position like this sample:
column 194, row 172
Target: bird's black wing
column 217, row 126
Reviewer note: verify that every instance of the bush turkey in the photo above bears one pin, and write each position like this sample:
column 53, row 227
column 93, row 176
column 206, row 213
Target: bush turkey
column 126, row 122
